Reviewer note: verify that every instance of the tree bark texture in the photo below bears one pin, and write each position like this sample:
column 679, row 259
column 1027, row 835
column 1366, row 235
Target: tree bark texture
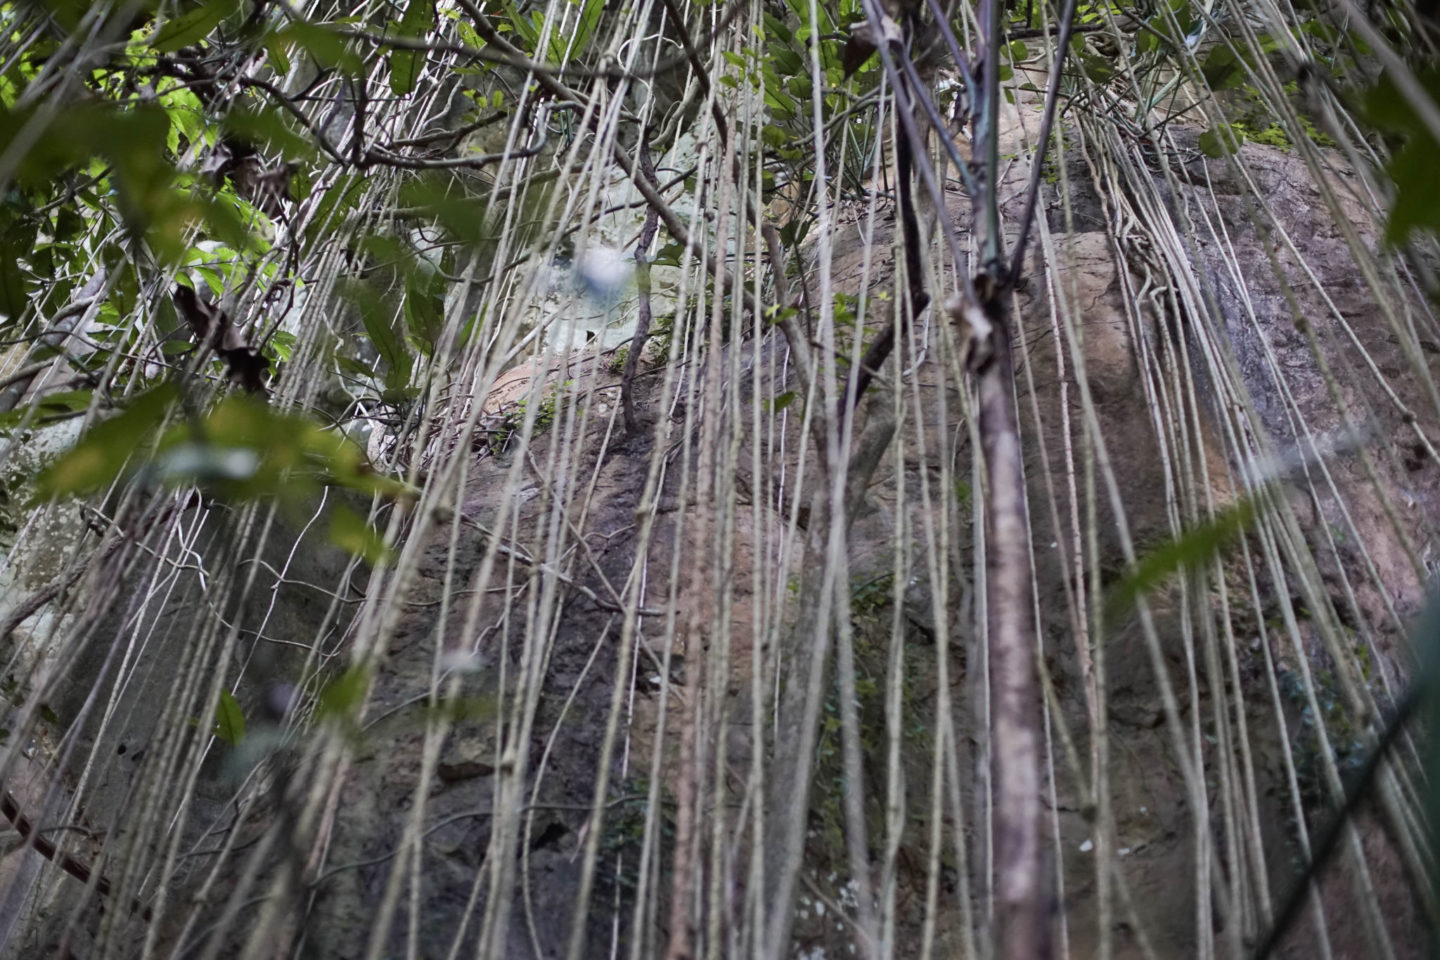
column 1021, row 916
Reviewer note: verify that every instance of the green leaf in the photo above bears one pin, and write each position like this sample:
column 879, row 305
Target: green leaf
column 279, row 60
column 1222, row 69
column 777, row 28
column 404, row 70
column 340, row 699
column 268, row 127
column 193, row 26
column 378, row 314
column 782, row 401
column 774, row 136
column 1412, row 165
column 339, row 197
column 1222, row 140
column 788, row 63
column 244, row 449
column 282, row 343
column 1097, row 68
column 206, row 463
column 456, row 710
column 51, row 406
column 328, row 48
column 102, row 453
column 424, row 312
column 1417, row 190
column 1191, row 550
column 445, row 199
column 132, row 139
column 223, row 223
column 14, row 297
column 781, row 103
column 1386, row 107
column 69, row 224
column 229, row 719
column 419, row 18
column 523, row 26
column 570, row 46
column 668, row 255
column 350, row 532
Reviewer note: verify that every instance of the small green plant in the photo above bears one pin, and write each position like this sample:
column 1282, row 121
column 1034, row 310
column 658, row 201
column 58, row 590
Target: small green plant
column 1050, row 172
column 513, row 421
column 871, row 607
column 623, row 835
column 1348, row 748
column 662, row 334
column 870, row 596
column 618, row 360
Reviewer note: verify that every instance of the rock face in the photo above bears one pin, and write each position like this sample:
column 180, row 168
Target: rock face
column 1240, row 356
column 570, row 688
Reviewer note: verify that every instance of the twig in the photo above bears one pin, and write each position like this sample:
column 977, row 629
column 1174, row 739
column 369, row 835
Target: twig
column 683, row 878
column 510, row 56
column 1329, row 841
column 1052, row 97
column 880, row 348
column 701, row 74
column 642, row 282
column 713, row 261
column 81, row 871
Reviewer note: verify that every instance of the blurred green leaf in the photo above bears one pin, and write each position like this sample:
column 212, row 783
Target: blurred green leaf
column 1221, row 140
column 350, row 532
column 1097, row 68
column 458, row 710
column 102, row 453
column 325, row 46
column 419, row 18
column 255, row 451
column 1417, row 190
column 379, row 315
column 14, row 297
column 523, row 26
column 1386, row 107
column 269, row 127
column 340, row 699
column 339, row 197
column 190, row 27
column 1412, row 163
column 444, row 199
column 424, row 312
column 782, row 401
column 47, row 408
column 571, row 45
column 243, row 449
column 1222, row 69
column 1190, row 551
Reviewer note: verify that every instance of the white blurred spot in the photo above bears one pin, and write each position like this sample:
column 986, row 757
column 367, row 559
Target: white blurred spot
column 604, row 272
